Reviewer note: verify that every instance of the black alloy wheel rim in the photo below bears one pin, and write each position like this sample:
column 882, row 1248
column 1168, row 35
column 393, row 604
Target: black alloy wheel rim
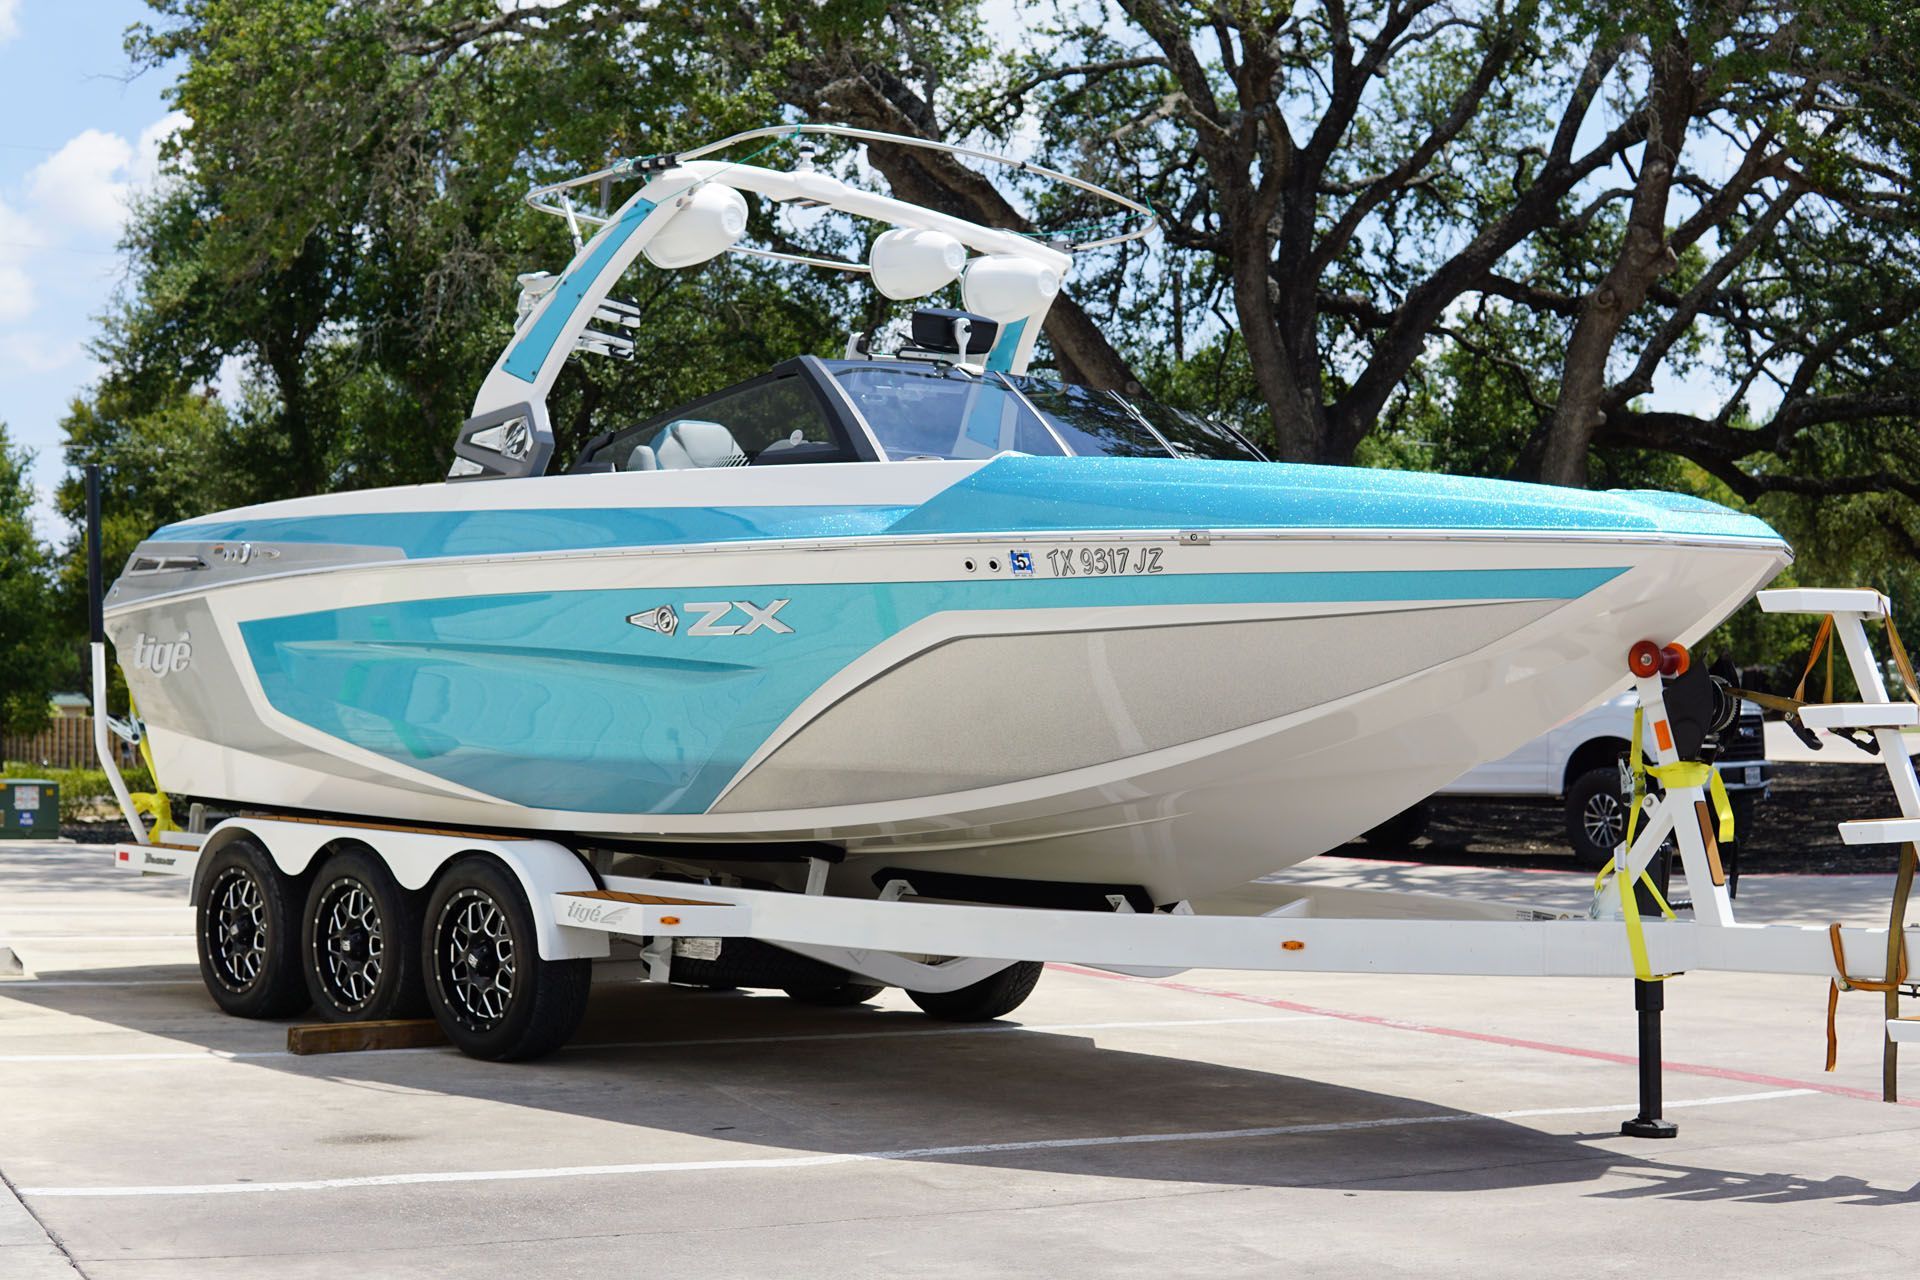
column 1605, row 820
column 475, row 960
column 237, row 929
column 349, row 944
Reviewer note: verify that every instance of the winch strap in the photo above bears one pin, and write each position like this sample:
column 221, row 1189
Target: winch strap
column 1896, row 966
column 1891, row 984
column 1820, row 639
column 1901, row 661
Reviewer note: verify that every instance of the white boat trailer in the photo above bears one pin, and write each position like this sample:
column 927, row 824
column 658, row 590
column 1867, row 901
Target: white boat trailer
column 581, row 911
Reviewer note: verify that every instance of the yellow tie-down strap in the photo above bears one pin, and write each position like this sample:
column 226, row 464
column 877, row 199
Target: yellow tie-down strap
column 1687, row 773
column 152, row 804
column 1681, row 773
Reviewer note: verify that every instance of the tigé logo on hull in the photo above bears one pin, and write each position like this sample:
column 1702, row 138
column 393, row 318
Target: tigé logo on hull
column 717, row 618
column 162, row 657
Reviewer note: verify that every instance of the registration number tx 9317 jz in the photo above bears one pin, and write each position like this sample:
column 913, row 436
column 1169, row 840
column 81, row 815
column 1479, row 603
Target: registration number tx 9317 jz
column 1103, row 562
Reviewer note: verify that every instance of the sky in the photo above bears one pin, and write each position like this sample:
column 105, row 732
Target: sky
column 81, row 133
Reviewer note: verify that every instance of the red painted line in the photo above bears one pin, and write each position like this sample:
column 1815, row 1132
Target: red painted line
column 1488, row 1037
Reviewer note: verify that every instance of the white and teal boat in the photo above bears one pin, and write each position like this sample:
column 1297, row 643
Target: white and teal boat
column 918, row 606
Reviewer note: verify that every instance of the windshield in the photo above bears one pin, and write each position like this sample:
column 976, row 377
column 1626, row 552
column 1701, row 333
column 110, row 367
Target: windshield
column 938, row 411
column 944, row 413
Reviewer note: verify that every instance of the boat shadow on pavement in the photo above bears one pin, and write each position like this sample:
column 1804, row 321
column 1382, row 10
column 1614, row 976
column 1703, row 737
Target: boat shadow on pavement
column 782, row 1078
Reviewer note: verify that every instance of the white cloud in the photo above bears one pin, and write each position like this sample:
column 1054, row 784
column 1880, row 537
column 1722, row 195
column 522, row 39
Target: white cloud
column 84, row 185
column 146, row 151
column 9, row 19
column 19, row 240
column 34, row 353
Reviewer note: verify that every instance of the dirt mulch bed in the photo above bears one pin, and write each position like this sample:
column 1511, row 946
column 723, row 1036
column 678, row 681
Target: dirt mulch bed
column 1794, row 830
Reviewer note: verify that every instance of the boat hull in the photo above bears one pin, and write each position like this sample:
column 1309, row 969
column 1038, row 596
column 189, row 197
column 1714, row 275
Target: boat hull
column 1177, row 709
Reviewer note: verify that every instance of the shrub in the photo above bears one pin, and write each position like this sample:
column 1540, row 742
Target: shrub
column 80, row 789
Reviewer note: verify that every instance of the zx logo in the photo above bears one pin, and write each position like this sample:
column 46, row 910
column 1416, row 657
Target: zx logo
column 757, row 618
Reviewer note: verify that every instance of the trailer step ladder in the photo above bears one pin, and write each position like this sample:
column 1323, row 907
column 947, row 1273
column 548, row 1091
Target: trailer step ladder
column 1878, row 713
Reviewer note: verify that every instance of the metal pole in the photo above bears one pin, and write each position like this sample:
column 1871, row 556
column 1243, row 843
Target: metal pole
column 97, row 654
column 1649, row 1001
column 96, row 628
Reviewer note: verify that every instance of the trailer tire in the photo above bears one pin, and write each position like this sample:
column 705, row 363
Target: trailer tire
column 842, row 996
column 989, row 998
column 358, row 942
column 246, row 927
column 490, row 990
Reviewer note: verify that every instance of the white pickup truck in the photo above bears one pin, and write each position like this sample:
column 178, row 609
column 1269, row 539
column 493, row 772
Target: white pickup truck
column 1578, row 763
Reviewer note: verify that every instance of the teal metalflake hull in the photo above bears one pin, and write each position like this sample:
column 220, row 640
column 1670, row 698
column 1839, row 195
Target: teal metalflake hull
column 555, row 701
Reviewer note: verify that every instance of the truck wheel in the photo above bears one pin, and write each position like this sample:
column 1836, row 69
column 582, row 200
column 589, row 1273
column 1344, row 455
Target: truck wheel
column 1596, row 816
column 842, row 996
column 357, row 938
column 490, row 991
column 246, row 925
column 989, row 998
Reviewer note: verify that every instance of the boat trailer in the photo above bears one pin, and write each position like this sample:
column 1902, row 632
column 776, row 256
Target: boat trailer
column 925, row 945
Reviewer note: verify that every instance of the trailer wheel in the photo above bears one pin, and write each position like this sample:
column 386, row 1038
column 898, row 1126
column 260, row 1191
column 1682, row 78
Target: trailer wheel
column 246, row 925
column 357, row 942
column 989, row 998
column 490, row 991
column 840, row 996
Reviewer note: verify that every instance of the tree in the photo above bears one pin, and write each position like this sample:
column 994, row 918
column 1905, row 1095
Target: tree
column 1530, row 211
column 30, row 651
column 1356, row 180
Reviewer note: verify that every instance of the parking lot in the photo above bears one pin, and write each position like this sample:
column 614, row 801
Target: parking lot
column 1213, row 1123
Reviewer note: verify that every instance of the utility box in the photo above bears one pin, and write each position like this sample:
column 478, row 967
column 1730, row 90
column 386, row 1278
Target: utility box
column 29, row 809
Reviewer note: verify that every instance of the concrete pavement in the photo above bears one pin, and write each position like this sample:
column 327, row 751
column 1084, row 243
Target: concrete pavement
column 1215, row 1123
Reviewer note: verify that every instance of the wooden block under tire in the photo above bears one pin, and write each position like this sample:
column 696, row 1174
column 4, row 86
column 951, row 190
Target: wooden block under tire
column 359, row 1037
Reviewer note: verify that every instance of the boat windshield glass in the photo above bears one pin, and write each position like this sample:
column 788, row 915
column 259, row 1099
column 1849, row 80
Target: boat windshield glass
column 1093, row 422
column 940, row 412
column 1191, row 436
column 771, row 420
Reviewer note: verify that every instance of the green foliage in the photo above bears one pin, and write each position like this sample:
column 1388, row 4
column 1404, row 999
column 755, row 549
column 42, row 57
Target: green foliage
column 81, row 790
column 30, row 649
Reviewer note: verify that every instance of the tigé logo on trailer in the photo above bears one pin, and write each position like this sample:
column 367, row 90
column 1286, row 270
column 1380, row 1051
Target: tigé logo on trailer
column 717, row 618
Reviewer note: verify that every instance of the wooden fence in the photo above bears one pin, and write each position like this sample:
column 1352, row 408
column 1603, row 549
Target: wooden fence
column 64, row 744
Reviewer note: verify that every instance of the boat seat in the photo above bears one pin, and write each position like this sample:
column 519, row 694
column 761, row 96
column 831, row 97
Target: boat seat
column 792, row 442
column 692, row 444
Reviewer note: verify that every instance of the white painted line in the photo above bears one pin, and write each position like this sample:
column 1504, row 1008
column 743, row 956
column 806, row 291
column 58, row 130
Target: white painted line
column 101, row 937
column 234, row 1055
column 857, row 1157
column 183, row 908
column 99, row 982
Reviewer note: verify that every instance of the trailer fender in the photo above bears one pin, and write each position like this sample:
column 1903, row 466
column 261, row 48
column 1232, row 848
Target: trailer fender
column 543, row 867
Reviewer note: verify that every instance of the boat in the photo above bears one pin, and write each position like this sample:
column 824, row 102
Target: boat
column 923, row 613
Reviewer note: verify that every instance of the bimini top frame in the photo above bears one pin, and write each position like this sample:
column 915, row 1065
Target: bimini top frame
column 508, row 433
